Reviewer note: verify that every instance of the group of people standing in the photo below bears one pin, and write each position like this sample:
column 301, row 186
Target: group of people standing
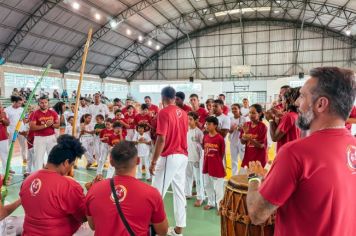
column 180, row 144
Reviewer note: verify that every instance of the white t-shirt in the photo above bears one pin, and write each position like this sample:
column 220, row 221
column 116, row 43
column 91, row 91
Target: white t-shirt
column 245, row 112
column 95, row 110
column 224, row 122
column 67, row 114
column 143, row 150
column 14, row 116
column 195, row 140
column 234, row 137
column 89, row 127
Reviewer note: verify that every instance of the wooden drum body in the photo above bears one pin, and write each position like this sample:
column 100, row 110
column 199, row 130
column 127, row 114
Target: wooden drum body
column 233, row 210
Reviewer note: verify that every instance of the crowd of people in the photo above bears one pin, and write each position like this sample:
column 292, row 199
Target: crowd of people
column 176, row 145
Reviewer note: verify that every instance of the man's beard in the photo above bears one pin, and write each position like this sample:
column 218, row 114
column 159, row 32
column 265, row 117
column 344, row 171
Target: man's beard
column 43, row 108
column 305, row 119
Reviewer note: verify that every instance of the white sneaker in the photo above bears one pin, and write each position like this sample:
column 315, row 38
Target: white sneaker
column 171, row 232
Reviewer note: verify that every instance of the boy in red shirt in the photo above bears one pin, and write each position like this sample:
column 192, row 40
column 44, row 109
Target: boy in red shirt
column 130, row 120
column 114, row 139
column 144, row 117
column 213, row 167
column 104, row 147
column 119, row 117
column 53, row 201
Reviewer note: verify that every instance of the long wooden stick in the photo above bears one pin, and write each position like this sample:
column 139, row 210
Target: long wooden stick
column 17, row 129
column 82, row 69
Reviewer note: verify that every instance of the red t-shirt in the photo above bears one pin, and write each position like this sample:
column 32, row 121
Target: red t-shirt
column 3, row 128
column 143, row 119
column 153, row 129
column 153, row 109
column 214, row 151
column 252, row 153
column 124, row 132
column 186, row 108
column 54, row 204
column 203, row 114
column 130, row 120
column 114, row 139
column 172, row 122
column 106, row 133
column 352, row 115
column 288, row 126
column 313, row 181
column 225, row 109
column 41, row 118
column 140, row 203
column 124, row 111
column 279, row 107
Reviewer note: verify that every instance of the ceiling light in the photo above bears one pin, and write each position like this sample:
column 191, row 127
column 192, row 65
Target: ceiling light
column 276, row 11
column 149, row 43
column 211, row 18
column 158, row 47
column 348, row 32
column 128, row 32
column 97, row 16
column 278, row 1
column 242, row 10
column 75, row 5
column 113, row 24
column 205, row 10
column 140, row 38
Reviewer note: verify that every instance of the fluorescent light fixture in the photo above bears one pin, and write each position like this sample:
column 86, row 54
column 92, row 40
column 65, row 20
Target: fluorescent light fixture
column 97, row 16
column 211, row 18
column 149, row 42
column 276, row 11
column 75, row 5
column 113, row 24
column 278, row 1
column 128, row 32
column 242, row 10
column 158, row 47
column 140, row 38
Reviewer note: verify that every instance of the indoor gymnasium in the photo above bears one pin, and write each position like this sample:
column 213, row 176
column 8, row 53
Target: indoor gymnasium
column 177, row 117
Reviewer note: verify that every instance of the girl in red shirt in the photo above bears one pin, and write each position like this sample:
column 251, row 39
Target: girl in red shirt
column 104, row 147
column 130, row 120
column 254, row 136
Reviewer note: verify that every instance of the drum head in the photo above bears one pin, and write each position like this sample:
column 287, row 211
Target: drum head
column 239, row 182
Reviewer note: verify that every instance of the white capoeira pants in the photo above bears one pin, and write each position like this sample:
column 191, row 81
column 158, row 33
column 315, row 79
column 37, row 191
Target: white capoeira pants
column 101, row 159
column 41, row 146
column 145, row 160
column 97, row 146
column 214, row 188
column 22, row 142
column 30, row 155
column 88, row 143
column 236, row 150
column 4, row 151
column 194, row 171
column 170, row 170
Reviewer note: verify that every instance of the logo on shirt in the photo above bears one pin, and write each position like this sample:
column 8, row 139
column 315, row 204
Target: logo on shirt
column 35, row 187
column 351, row 158
column 179, row 113
column 121, row 193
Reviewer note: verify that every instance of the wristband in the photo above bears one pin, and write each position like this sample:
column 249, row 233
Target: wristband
column 255, row 179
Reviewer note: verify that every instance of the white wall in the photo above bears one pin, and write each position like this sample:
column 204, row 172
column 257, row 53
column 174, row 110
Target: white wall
column 213, row 88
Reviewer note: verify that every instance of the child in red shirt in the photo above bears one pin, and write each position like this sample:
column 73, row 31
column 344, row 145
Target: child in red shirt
column 130, row 120
column 104, row 147
column 119, row 117
column 213, row 167
column 113, row 140
column 254, row 136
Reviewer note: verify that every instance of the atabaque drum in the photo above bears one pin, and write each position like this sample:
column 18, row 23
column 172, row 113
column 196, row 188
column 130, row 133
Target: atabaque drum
column 234, row 215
